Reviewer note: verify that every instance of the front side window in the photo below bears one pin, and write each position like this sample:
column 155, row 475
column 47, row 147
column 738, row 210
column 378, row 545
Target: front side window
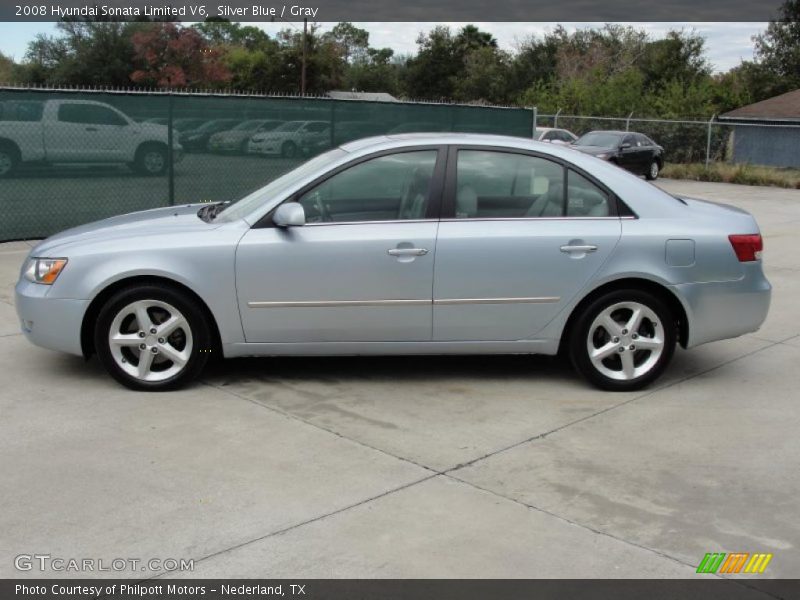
column 493, row 184
column 584, row 198
column 387, row 188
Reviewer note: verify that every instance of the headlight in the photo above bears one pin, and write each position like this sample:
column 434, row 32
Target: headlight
column 44, row 270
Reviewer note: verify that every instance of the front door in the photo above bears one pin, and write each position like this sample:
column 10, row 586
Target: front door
column 518, row 245
column 360, row 270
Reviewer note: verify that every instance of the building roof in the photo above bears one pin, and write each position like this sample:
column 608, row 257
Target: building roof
column 785, row 107
column 372, row 96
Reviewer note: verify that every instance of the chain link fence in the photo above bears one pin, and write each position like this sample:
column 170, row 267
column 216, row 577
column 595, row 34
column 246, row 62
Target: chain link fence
column 68, row 157
column 694, row 141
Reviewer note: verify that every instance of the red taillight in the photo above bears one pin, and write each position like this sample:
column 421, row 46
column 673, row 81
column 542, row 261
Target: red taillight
column 747, row 247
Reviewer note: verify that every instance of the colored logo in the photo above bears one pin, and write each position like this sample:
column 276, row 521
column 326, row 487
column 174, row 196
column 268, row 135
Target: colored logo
column 735, row 562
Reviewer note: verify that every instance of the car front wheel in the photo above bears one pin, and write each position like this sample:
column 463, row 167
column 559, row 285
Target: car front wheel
column 152, row 337
column 624, row 340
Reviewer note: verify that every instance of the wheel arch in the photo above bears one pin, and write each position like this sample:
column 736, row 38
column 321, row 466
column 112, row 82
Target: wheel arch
column 92, row 311
column 144, row 145
column 639, row 283
column 12, row 145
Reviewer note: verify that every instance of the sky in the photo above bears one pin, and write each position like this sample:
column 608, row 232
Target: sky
column 727, row 44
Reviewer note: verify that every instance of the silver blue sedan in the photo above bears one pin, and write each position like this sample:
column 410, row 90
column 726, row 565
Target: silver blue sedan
column 407, row 244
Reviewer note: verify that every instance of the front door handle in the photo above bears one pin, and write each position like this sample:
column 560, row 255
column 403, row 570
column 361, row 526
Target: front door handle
column 585, row 249
column 91, row 129
column 407, row 251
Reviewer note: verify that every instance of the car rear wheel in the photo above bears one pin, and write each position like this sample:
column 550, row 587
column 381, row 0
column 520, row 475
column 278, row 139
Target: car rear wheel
column 151, row 160
column 652, row 172
column 152, row 337
column 624, row 340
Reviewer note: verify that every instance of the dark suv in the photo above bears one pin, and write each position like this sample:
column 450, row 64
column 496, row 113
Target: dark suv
column 630, row 150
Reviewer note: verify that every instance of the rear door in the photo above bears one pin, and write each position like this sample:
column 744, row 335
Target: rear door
column 521, row 235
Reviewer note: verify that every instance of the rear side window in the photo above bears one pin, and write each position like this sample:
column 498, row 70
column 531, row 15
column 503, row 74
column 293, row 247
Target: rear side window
column 584, row 198
column 89, row 114
column 492, row 184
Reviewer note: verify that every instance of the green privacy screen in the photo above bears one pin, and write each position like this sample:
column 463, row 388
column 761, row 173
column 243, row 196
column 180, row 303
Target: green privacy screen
column 69, row 157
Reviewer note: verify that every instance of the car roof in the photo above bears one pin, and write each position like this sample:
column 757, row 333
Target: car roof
column 394, row 140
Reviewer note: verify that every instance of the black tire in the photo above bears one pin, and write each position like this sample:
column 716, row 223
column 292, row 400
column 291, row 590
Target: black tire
column 579, row 340
column 289, row 150
column 194, row 315
column 653, row 171
column 9, row 160
column 151, row 160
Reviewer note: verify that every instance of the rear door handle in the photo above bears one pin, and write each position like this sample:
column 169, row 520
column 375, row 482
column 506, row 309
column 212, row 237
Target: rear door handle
column 91, row 129
column 407, row 251
column 587, row 249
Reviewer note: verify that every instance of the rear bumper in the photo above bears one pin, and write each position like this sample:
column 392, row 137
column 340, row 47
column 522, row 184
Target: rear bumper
column 53, row 323
column 720, row 310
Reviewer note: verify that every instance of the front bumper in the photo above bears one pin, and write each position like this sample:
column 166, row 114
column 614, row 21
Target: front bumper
column 720, row 310
column 53, row 323
column 266, row 147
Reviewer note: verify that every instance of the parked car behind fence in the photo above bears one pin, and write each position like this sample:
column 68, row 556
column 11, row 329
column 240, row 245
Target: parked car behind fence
column 82, row 132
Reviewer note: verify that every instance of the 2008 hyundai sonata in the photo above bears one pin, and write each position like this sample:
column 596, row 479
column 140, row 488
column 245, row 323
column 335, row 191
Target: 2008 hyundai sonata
column 407, row 244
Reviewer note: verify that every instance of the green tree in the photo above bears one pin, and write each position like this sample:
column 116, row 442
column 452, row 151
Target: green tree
column 7, row 69
column 441, row 60
column 352, row 42
column 778, row 49
column 378, row 71
column 83, row 53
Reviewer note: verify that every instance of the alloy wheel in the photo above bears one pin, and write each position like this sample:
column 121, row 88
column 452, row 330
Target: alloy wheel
column 153, row 161
column 625, row 341
column 150, row 340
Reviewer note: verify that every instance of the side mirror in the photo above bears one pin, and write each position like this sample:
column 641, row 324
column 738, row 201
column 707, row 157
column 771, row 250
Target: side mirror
column 290, row 214
column 625, row 145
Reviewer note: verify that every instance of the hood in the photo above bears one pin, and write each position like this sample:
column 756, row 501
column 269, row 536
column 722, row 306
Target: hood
column 593, row 150
column 138, row 224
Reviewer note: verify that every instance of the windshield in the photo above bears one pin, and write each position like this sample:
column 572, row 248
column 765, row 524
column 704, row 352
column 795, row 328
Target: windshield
column 276, row 188
column 247, row 126
column 290, row 126
column 600, row 139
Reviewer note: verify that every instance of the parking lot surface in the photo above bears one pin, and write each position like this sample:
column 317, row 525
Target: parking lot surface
column 501, row 466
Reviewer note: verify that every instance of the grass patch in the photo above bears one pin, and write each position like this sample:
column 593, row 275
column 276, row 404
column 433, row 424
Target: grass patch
column 742, row 174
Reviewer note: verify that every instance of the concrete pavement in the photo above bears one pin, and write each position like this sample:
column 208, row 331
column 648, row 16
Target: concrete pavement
column 504, row 466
